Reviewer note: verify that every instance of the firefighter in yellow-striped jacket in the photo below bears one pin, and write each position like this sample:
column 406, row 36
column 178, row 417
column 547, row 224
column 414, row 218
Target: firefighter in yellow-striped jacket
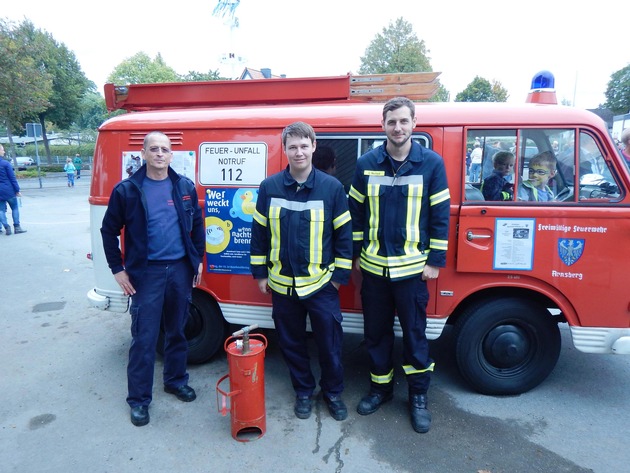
column 399, row 202
column 301, row 251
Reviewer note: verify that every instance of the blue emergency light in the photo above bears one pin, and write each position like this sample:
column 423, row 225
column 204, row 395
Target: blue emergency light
column 543, row 80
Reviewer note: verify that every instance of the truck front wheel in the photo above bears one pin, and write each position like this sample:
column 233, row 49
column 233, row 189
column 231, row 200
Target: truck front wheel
column 506, row 346
column 205, row 329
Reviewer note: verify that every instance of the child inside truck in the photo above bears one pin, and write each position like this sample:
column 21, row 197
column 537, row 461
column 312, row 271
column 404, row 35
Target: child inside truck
column 542, row 167
column 497, row 186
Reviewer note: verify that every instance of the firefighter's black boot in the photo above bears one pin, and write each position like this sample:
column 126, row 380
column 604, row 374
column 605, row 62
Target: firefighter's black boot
column 420, row 415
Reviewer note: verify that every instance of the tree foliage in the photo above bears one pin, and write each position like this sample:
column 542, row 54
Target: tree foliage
column 398, row 49
column 69, row 83
column 141, row 69
column 618, row 91
column 25, row 85
column 194, row 76
column 481, row 90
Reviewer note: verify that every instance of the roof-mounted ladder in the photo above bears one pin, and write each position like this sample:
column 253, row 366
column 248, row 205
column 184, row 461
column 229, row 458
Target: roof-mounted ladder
column 375, row 87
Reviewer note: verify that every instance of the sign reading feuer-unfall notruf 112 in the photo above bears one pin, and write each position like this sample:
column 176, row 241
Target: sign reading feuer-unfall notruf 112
column 232, row 164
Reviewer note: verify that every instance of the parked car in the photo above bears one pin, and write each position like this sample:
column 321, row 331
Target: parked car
column 24, row 162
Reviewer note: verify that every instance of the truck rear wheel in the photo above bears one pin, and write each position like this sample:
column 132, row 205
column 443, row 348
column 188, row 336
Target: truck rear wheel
column 506, row 346
column 205, row 329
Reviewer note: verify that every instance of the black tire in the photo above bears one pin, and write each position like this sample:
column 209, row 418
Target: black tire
column 205, row 329
column 506, row 346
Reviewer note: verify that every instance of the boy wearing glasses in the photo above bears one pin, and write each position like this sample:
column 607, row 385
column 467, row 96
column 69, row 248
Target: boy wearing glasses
column 542, row 167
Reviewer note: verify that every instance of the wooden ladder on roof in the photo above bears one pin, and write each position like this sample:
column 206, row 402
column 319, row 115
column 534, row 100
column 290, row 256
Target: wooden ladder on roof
column 352, row 88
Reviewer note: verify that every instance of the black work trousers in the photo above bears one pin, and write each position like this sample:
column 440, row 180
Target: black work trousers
column 383, row 299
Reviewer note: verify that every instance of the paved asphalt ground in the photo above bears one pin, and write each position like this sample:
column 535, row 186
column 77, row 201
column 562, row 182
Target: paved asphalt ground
column 63, row 388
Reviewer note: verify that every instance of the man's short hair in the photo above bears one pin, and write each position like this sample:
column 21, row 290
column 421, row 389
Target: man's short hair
column 625, row 136
column 299, row 130
column 153, row 133
column 396, row 103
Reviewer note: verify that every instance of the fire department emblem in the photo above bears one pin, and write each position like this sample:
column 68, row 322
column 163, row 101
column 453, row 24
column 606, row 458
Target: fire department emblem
column 570, row 249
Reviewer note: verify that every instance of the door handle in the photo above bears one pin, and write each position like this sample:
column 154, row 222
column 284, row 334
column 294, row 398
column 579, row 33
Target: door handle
column 470, row 236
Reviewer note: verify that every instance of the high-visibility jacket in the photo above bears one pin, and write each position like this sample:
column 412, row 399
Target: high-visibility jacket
column 400, row 212
column 301, row 235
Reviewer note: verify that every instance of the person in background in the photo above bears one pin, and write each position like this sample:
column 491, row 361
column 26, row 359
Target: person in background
column 70, row 171
column 400, row 207
column 542, row 167
column 301, row 252
column 9, row 194
column 497, row 186
column 475, row 162
column 324, row 159
column 164, row 241
column 77, row 164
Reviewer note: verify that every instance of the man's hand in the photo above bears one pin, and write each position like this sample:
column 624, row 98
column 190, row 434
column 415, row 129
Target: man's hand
column 122, row 278
column 430, row 272
column 262, row 285
column 197, row 278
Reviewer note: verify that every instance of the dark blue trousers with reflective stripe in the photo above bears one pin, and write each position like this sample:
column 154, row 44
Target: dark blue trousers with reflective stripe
column 382, row 300
column 164, row 286
column 324, row 311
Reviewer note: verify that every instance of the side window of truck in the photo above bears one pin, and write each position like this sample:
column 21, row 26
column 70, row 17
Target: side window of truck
column 490, row 158
column 545, row 166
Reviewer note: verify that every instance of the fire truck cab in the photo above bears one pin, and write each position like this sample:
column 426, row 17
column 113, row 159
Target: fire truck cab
column 515, row 269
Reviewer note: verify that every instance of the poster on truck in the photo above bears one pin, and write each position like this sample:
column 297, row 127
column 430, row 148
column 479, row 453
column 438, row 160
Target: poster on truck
column 229, row 213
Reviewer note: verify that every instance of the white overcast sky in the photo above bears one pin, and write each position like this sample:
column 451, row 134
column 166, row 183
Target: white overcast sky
column 582, row 43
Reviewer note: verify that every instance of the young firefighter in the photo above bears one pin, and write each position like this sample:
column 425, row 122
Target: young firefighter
column 400, row 205
column 542, row 167
column 496, row 186
column 301, row 251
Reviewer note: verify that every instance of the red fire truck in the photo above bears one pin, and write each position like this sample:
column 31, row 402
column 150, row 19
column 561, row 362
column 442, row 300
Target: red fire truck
column 515, row 270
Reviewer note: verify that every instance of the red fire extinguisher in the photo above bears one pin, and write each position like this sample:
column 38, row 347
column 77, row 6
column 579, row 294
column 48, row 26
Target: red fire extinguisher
column 246, row 363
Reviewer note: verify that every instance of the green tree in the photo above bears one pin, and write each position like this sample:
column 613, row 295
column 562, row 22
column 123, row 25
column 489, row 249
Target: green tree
column 25, row 85
column 69, row 83
column 618, row 91
column 194, row 76
column 93, row 110
column 481, row 90
column 141, row 69
column 398, row 49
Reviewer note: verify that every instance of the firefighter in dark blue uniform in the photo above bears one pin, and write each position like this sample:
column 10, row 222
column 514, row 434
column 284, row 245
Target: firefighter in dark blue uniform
column 301, row 252
column 399, row 202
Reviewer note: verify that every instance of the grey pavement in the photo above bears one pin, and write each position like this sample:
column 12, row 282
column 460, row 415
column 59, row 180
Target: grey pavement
column 63, row 388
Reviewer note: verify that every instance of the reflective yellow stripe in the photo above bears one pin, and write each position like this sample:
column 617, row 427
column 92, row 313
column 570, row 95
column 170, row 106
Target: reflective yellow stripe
column 258, row 259
column 304, row 291
column 412, row 223
column 357, row 236
column 274, row 222
column 341, row 220
column 260, row 218
column 316, row 233
column 439, row 197
column 343, row 263
column 274, row 274
column 384, row 379
column 411, row 370
column 356, row 195
column 401, row 260
column 436, row 244
column 374, row 202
